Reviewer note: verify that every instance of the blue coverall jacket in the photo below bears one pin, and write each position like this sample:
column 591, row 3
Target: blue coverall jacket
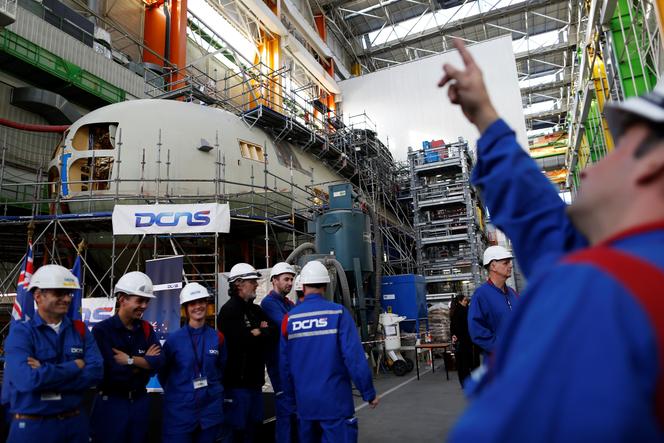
column 577, row 362
column 275, row 306
column 121, row 410
column 58, row 372
column 489, row 308
column 321, row 354
column 189, row 354
column 111, row 333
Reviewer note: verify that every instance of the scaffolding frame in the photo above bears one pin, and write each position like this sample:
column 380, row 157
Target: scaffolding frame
column 277, row 101
column 448, row 219
column 283, row 215
column 622, row 55
column 261, row 200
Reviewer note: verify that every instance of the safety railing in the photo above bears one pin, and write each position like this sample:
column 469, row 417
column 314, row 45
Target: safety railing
column 446, row 153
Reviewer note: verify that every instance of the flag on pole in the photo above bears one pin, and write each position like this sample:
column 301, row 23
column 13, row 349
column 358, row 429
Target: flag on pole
column 24, row 305
column 74, row 312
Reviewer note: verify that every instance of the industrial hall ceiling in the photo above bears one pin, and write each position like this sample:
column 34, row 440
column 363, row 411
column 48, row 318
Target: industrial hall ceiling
column 383, row 33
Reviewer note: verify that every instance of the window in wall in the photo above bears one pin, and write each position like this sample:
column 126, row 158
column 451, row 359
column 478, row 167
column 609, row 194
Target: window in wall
column 252, row 151
column 95, row 136
column 88, row 172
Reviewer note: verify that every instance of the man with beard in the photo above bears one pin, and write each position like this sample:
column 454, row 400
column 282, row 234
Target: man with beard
column 581, row 359
column 132, row 354
column 247, row 333
column 276, row 305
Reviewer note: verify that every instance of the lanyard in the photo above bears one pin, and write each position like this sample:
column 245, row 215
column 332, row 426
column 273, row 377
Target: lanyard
column 194, row 348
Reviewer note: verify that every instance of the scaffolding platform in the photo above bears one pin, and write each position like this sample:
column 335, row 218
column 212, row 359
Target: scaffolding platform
column 283, row 127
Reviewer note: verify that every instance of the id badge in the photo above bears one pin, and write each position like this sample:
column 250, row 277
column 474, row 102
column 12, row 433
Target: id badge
column 51, row 396
column 200, row 382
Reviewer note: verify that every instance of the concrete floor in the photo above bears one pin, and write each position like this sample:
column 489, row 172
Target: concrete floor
column 410, row 410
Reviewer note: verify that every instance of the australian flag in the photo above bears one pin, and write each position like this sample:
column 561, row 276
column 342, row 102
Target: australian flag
column 24, row 305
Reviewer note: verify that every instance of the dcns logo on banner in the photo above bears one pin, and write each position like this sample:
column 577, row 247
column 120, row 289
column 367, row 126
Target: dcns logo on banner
column 147, row 219
column 310, row 323
column 95, row 315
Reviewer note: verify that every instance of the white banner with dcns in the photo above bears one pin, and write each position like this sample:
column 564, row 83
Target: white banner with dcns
column 171, row 219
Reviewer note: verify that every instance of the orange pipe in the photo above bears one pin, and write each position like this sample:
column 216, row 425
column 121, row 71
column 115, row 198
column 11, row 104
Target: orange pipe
column 321, row 26
column 178, row 40
column 274, row 51
column 330, row 97
column 328, row 65
column 269, row 54
column 154, row 34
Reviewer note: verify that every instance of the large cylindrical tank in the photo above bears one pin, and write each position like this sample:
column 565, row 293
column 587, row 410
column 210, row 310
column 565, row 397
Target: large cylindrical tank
column 346, row 234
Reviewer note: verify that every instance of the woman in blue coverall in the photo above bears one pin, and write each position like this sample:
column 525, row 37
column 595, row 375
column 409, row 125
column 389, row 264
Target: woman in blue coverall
column 192, row 373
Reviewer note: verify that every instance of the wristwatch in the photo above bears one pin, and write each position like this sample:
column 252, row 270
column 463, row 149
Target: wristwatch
column 130, row 361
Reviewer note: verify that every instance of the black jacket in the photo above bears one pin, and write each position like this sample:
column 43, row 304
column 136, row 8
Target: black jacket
column 459, row 324
column 245, row 367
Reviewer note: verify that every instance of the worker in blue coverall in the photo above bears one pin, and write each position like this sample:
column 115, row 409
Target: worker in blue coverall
column 275, row 305
column 132, row 354
column 247, row 332
column 51, row 362
column 580, row 359
column 194, row 360
column 493, row 302
column 321, row 355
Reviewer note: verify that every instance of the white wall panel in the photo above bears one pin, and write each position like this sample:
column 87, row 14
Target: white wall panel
column 408, row 107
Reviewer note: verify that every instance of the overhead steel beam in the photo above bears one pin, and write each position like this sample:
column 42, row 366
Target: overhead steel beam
column 513, row 10
column 546, row 114
column 548, row 17
column 362, row 13
column 505, row 28
column 545, row 87
column 546, row 50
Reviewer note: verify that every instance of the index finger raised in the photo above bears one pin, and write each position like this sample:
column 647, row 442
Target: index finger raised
column 468, row 59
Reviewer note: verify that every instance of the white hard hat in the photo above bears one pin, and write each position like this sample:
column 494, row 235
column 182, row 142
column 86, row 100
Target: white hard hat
column 135, row 283
column 282, row 268
column 53, row 277
column 314, row 272
column 297, row 283
column 495, row 253
column 243, row 271
column 647, row 107
column 193, row 291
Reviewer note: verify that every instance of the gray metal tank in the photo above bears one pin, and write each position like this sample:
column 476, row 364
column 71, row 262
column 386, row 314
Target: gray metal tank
column 346, row 234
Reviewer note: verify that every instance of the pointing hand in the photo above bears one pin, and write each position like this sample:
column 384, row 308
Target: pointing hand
column 467, row 89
